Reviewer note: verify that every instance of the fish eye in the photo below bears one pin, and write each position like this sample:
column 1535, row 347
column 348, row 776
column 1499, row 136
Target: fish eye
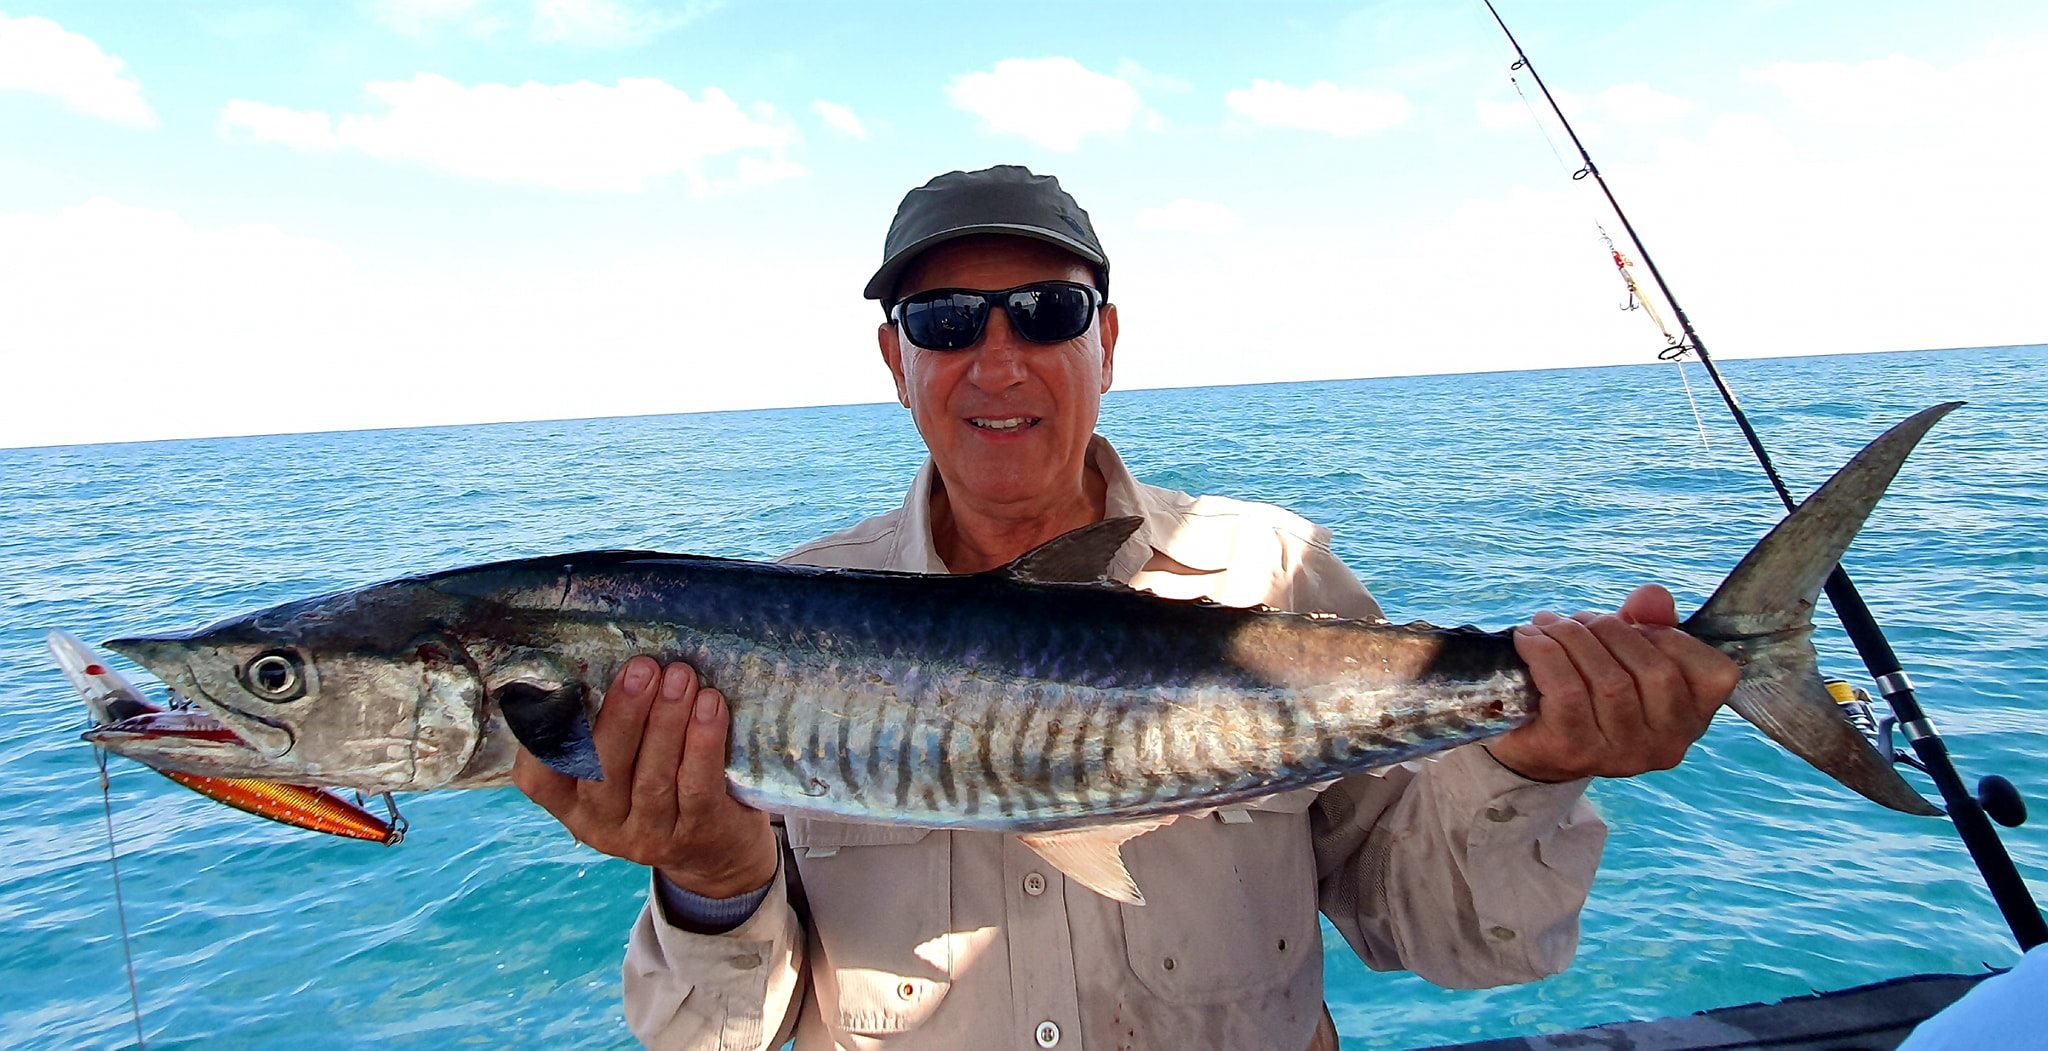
column 276, row 675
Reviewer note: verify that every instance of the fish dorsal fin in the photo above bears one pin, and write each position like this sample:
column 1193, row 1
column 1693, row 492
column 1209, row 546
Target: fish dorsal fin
column 1081, row 556
column 1093, row 857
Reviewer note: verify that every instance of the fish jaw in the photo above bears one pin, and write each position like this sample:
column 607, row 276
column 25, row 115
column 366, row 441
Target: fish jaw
column 171, row 659
column 188, row 741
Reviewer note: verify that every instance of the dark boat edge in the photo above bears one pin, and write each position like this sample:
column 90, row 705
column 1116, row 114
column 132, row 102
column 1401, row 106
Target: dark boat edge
column 1874, row 1017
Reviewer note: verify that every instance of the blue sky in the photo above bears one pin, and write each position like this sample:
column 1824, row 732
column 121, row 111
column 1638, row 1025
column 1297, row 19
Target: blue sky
column 245, row 218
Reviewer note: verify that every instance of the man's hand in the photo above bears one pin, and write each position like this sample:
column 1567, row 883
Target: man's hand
column 1623, row 693
column 663, row 801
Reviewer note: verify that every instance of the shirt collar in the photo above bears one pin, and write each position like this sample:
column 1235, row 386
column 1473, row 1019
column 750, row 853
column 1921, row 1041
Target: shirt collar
column 1171, row 526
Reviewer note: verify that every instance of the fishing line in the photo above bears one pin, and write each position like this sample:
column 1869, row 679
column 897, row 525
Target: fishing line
column 120, row 908
column 2001, row 877
column 1674, row 348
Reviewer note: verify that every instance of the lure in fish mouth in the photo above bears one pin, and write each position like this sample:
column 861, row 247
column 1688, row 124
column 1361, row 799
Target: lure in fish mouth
column 1038, row 699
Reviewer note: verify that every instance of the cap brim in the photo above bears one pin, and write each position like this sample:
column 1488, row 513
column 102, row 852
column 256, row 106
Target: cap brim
column 884, row 281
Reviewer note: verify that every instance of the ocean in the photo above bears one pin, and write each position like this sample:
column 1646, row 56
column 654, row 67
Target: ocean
column 1741, row 876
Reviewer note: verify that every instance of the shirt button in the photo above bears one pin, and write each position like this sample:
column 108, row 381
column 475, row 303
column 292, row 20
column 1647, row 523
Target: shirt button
column 1034, row 885
column 1501, row 814
column 1501, row 934
column 1048, row 1034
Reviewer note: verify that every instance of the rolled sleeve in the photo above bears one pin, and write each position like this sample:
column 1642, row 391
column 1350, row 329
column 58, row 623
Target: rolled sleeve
column 735, row 991
column 1457, row 869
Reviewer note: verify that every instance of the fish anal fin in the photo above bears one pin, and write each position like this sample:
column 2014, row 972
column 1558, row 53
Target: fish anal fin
column 550, row 722
column 1093, row 857
column 1080, row 556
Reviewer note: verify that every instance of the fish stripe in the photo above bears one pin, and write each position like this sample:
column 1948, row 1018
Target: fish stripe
column 985, row 741
column 903, row 751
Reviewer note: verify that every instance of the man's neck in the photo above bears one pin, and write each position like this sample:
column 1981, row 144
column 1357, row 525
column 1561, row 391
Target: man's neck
column 971, row 538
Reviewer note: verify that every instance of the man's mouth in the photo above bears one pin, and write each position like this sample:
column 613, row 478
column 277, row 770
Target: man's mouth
column 1005, row 423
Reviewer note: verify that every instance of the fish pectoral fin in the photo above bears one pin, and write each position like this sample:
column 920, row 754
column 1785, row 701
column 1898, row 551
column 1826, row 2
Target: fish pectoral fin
column 1079, row 556
column 550, row 722
column 1093, row 857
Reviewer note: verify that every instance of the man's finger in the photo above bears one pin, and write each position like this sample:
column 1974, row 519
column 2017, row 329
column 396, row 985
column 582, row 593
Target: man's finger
column 1649, row 606
column 661, row 749
column 702, row 778
column 617, row 734
column 1615, row 706
column 553, row 790
column 1664, row 692
column 1567, row 712
column 1710, row 673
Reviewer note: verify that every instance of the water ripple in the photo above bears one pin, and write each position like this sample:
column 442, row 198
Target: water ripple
column 1739, row 876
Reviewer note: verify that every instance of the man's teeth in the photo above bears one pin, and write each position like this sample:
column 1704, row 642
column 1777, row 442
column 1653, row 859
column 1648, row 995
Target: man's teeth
column 1007, row 423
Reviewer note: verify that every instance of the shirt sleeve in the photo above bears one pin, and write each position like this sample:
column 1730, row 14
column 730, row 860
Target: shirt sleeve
column 1455, row 867
column 736, row 991
column 695, row 912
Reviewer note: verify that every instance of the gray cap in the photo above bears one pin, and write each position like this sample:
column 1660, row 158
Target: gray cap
column 1005, row 199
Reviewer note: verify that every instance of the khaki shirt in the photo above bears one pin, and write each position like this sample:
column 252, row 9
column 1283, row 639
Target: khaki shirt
column 1453, row 868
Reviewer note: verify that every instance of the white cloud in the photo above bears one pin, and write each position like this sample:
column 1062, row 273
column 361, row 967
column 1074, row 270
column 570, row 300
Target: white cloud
column 422, row 19
column 1634, row 105
column 1982, row 92
column 1187, row 215
column 611, row 23
column 1792, row 229
column 247, row 121
column 1130, row 72
column 1642, row 104
column 579, row 136
column 841, row 118
column 194, row 329
column 41, row 57
column 1054, row 102
column 1322, row 106
column 583, row 23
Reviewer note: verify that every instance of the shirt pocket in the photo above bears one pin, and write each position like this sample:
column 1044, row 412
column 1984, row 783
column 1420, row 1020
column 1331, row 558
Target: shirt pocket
column 1230, row 907
column 880, row 917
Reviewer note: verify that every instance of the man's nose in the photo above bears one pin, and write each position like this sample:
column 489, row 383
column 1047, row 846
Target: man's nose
column 999, row 355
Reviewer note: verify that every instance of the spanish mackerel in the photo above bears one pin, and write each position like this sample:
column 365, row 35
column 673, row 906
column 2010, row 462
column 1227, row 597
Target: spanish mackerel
column 1037, row 699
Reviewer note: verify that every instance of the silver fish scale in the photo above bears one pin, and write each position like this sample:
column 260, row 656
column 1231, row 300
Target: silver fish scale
column 823, row 726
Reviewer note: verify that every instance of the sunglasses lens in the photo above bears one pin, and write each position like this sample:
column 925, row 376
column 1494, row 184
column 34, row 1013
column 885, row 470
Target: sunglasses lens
column 950, row 321
column 1052, row 312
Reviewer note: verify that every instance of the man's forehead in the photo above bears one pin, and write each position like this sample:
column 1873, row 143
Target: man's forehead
column 992, row 256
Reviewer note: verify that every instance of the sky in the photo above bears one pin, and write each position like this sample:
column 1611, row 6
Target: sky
column 222, row 218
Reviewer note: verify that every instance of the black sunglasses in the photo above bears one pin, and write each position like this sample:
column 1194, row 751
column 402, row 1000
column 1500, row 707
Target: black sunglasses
column 953, row 318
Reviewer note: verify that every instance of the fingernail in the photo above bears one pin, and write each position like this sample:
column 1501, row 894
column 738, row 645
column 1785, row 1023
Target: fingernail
column 637, row 676
column 675, row 683
column 1543, row 616
column 707, row 707
column 1526, row 629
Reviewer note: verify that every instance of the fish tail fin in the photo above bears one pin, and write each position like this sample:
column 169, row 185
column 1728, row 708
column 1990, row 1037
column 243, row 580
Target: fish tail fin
column 1763, row 617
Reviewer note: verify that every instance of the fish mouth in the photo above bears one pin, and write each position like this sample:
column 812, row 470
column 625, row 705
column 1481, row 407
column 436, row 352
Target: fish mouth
column 187, row 741
column 205, row 737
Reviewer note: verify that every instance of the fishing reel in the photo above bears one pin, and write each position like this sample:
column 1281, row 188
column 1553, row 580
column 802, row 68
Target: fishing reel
column 1999, row 797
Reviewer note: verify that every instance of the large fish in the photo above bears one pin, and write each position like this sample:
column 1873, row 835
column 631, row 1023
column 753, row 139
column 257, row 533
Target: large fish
column 1037, row 699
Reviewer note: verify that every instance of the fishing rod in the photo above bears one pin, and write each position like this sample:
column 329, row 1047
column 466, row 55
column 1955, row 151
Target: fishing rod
column 1972, row 823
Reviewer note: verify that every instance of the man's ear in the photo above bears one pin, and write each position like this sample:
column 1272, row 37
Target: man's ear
column 1105, row 321
column 892, row 355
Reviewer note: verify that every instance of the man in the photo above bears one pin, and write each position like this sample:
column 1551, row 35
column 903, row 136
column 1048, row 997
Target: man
column 1469, row 869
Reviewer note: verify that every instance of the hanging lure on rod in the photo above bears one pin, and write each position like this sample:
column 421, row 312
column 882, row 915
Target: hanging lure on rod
column 1674, row 347
column 1968, row 811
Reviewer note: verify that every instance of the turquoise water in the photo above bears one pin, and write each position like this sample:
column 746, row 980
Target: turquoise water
column 1741, row 876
